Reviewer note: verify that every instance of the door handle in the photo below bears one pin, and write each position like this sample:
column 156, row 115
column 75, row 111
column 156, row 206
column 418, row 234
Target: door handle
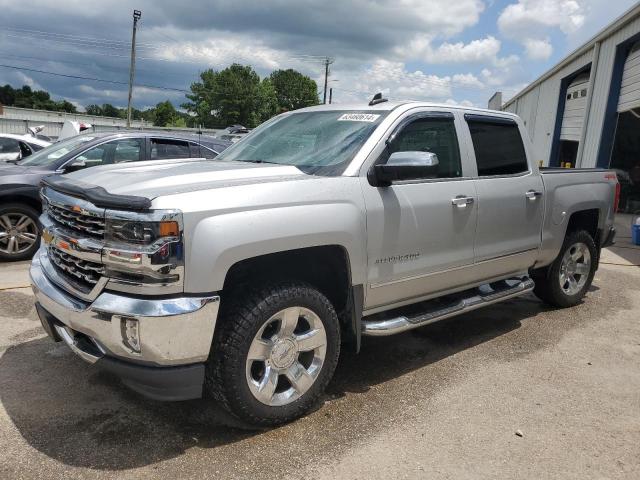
column 461, row 201
column 532, row 194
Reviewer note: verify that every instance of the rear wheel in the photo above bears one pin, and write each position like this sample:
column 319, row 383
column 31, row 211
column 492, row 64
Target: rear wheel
column 565, row 282
column 19, row 232
column 274, row 353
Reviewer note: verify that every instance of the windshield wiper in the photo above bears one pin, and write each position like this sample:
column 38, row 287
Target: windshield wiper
column 258, row 161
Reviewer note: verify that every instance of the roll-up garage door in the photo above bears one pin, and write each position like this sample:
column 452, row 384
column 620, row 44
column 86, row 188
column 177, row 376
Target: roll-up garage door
column 630, row 88
column 574, row 108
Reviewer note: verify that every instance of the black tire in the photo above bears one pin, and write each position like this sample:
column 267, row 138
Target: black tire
column 241, row 318
column 13, row 211
column 548, row 288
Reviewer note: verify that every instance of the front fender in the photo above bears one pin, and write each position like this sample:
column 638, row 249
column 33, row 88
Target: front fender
column 220, row 241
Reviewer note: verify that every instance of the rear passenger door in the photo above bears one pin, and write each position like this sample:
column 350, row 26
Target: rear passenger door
column 510, row 203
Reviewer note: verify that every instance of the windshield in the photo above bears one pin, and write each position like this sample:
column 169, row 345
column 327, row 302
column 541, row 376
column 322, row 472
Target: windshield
column 49, row 155
column 320, row 142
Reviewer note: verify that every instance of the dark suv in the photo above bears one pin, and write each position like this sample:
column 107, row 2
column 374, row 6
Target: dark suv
column 19, row 183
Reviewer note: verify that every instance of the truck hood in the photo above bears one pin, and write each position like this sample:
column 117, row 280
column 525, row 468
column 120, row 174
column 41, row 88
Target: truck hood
column 152, row 179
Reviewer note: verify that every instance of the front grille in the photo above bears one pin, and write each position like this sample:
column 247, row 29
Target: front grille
column 80, row 221
column 82, row 274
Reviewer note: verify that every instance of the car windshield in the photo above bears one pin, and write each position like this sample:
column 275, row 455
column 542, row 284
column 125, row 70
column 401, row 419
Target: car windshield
column 320, row 142
column 49, row 155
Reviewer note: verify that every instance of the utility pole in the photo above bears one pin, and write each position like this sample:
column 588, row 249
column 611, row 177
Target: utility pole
column 132, row 68
column 327, row 61
column 330, row 95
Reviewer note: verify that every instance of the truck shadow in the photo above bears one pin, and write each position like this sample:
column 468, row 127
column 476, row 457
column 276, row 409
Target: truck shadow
column 82, row 417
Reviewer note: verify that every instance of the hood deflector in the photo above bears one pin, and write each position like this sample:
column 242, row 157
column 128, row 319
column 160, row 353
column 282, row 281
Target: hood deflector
column 97, row 195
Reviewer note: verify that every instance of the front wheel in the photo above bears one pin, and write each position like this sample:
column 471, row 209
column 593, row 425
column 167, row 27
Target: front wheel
column 19, row 232
column 274, row 354
column 565, row 282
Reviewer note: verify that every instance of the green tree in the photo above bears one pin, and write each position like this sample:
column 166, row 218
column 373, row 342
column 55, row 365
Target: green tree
column 26, row 97
column 267, row 102
column 165, row 114
column 65, row 106
column 109, row 110
column 231, row 96
column 293, row 89
column 94, row 110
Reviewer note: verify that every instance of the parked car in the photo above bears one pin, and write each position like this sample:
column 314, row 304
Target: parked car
column 233, row 133
column 16, row 147
column 241, row 280
column 20, row 204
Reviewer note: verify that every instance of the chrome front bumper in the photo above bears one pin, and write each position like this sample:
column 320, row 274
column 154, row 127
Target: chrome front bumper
column 173, row 331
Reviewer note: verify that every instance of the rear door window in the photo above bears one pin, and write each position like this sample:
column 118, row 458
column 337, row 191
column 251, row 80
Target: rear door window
column 169, row 148
column 498, row 147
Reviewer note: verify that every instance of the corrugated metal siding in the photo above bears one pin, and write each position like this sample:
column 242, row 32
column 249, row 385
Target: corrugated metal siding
column 538, row 108
column 601, row 86
column 574, row 109
column 630, row 91
column 541, row 128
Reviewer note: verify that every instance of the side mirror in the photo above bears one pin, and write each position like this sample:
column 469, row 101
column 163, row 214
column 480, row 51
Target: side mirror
column 411, row 165
column 76, row 164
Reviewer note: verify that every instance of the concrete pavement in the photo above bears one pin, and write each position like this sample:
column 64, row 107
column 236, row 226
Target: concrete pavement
column 442, row 402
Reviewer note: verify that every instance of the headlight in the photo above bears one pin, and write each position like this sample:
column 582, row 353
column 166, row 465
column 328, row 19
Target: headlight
column 143, row 251
column 141, row 232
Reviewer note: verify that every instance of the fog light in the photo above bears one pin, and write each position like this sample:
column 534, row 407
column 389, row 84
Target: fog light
column 130, row 329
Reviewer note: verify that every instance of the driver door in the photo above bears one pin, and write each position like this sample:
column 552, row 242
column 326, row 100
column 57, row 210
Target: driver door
column 418, row 241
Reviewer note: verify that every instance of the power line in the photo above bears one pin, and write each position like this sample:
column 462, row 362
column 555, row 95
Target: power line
column 103, row 80
column 114, row 82
column 75, row 38
column 81, row 64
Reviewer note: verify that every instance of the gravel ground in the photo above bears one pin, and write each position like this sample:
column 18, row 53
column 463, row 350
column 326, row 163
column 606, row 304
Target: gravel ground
column 443, row 402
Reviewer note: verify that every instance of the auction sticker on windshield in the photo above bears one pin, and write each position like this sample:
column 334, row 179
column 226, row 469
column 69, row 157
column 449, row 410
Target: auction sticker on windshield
column 358, row 117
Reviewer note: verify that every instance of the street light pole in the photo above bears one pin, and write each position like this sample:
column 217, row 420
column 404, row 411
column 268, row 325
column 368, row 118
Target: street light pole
column 132, row 68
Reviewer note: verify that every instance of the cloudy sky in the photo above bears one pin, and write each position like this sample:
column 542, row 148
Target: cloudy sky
column 439, row 50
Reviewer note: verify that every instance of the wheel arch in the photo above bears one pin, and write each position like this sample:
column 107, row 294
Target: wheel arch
column 325, row 267
column 21, row 198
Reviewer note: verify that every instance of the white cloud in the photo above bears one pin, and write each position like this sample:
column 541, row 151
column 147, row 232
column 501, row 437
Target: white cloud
column 527, row 16
column 476, row 51
column 223, row 50
column 529, row 21
column 467, row 80
column 394, row 80
column 461, row 103
column 538, row 49
column 27, row 80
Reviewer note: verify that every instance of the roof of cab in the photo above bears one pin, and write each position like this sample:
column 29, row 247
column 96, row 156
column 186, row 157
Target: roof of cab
column 392, row 105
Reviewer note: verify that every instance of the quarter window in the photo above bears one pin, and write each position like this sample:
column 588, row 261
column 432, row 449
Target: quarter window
column 498, row 147
column 435, row 135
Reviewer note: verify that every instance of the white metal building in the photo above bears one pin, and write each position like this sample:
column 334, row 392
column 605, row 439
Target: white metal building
column 17, row 120
column 585, row 111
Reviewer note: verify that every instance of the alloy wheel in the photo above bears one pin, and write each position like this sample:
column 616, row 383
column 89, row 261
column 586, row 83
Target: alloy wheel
column 18, row 233
column 286, row 356
column 575, row 268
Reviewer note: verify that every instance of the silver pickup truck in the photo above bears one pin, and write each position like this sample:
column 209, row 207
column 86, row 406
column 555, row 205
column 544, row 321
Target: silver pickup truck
column 239, row 279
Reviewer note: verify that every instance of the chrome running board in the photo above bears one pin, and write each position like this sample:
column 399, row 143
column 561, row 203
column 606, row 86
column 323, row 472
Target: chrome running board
column 463, row 302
